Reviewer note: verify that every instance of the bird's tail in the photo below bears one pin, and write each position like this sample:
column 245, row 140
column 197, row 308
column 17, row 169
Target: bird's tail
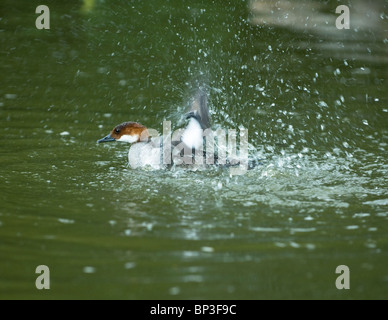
column 199, row 109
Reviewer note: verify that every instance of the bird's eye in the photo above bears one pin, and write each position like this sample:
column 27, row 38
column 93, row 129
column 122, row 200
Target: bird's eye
column 117, row 131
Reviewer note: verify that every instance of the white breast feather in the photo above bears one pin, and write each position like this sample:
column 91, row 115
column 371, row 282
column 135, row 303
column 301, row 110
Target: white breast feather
column 193, row 134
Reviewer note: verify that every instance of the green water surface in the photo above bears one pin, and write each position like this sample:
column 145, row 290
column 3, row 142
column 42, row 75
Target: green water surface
column 315, row 102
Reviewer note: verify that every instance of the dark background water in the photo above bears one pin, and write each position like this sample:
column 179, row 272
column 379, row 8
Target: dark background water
column 314, row 99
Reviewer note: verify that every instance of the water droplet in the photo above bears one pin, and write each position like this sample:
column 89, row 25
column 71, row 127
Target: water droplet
column 130, row 265
column 89, row 270
column 310, row 246
column 66, row 221
column 174, row 291
column 294, row 244
column 322, row 104
column 11, row 96
column 352, row 227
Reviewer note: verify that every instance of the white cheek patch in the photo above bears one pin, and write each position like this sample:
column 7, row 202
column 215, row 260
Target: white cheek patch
column 128, row 138
column 193, row 134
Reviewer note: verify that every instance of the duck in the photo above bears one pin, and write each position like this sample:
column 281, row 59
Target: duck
column 183, row 148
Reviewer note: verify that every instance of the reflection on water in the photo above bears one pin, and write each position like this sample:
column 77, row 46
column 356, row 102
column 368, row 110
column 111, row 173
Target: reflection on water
column 313, row 98
column 365, row 40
